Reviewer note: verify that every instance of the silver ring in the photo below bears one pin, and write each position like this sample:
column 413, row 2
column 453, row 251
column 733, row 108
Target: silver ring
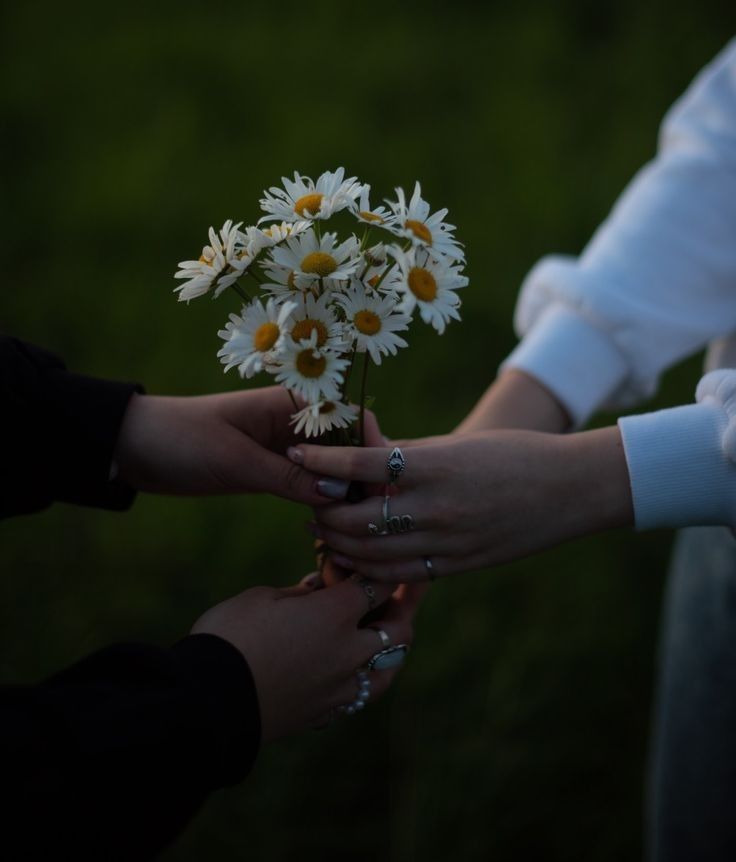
column 430, row 568
column 364, row 694
column 368, row 588
column 389, row 658
column 374, row 529
column 392, row 524
column 395, row 465
column 400, row 524
column 385, row 639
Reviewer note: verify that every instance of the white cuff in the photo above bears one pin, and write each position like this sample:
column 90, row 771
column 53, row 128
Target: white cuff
column 679, row 473
column 577, row 362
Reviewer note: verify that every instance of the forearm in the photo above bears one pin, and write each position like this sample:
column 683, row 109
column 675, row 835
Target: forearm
column 516, row 400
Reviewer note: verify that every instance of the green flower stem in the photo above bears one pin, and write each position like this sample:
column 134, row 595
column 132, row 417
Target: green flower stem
column 293, row 400
column 346, row 382
column 383, row 275
column 361, row 419
column 243, row 294
column 364, row 241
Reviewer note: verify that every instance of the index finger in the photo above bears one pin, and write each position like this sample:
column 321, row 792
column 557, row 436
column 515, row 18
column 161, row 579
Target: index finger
column 343, row 462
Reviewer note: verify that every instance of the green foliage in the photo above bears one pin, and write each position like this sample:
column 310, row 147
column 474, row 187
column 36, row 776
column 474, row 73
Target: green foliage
column 519, row 726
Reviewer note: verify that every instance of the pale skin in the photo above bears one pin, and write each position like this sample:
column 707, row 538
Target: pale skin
column 304, row 645
column 482, row 496
column 233, row 442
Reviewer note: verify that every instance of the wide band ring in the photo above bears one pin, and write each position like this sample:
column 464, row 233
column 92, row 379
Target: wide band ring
column 389, row 658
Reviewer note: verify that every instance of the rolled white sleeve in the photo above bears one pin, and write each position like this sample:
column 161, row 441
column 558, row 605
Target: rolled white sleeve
column 682, row 461
column 657, row 281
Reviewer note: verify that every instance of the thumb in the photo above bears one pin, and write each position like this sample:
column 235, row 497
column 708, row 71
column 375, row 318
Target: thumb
column 287, row 479
column 343, row 462
column 308, row 584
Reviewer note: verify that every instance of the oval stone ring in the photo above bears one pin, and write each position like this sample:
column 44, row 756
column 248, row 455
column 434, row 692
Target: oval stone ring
column 389, row 658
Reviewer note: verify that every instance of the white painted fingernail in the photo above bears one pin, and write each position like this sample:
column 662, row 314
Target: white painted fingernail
column 335, row 489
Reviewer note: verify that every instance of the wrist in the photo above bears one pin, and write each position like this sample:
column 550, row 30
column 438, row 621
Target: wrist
column 593, row 463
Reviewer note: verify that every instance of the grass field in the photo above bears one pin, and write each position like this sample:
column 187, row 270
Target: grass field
column 518, row 729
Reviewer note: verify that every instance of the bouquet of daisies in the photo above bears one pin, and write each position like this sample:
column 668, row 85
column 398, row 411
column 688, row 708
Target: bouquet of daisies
column 313, row 301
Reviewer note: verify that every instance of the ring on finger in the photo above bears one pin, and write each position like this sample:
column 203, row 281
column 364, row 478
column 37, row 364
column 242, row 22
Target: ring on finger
column 363, row 696
column 374, row 529
column 395, row 465
column 385, row 639
column 388, row 658
column 429, row 566
column 368, row 588
column 393, row 525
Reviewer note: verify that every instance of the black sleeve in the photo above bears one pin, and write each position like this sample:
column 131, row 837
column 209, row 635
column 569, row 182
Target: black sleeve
column 111, row 758
column 57, row 433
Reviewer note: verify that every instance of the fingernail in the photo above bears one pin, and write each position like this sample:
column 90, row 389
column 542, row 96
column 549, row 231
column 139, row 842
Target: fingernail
column 315, row 530
column 311, row 581
column 295, row 455
column 343, row 562
column 335, row 489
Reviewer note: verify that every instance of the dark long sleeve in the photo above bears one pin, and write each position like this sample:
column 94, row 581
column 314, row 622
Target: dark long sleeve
column 58, row 432
column 111, row 758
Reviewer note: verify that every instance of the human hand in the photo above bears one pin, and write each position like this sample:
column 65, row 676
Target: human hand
column 217, row 444
column 304, row 646
column 477, row 499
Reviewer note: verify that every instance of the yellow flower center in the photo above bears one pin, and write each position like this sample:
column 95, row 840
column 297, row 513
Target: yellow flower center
column 373, row 280
column 367, row 322
column 422, row 284
column 320, row 263
column 326, row 407
column 369, row 216
column 310, row 365
column 266, row 336
column 291, row 280
column 303, row 329
column 420, row 230
column 207, row 260
column 308, row 204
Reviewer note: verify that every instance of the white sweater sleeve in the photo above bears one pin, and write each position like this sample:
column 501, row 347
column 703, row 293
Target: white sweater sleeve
column 658, row 279
column 682, row 461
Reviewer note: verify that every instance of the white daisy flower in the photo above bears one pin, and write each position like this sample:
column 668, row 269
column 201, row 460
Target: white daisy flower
column 315, row 419
column 314, row 314
column 254, row 339
column 374, row 319
column 427, row 283
column 414, row 222
column 302, row 198
column 312, row 372
column 255, row 239
column 298, row 263
column 374, row 275
column 373, row 216
column 221, row 264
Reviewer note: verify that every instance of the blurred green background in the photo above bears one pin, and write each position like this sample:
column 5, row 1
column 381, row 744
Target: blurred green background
column 518, row 729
